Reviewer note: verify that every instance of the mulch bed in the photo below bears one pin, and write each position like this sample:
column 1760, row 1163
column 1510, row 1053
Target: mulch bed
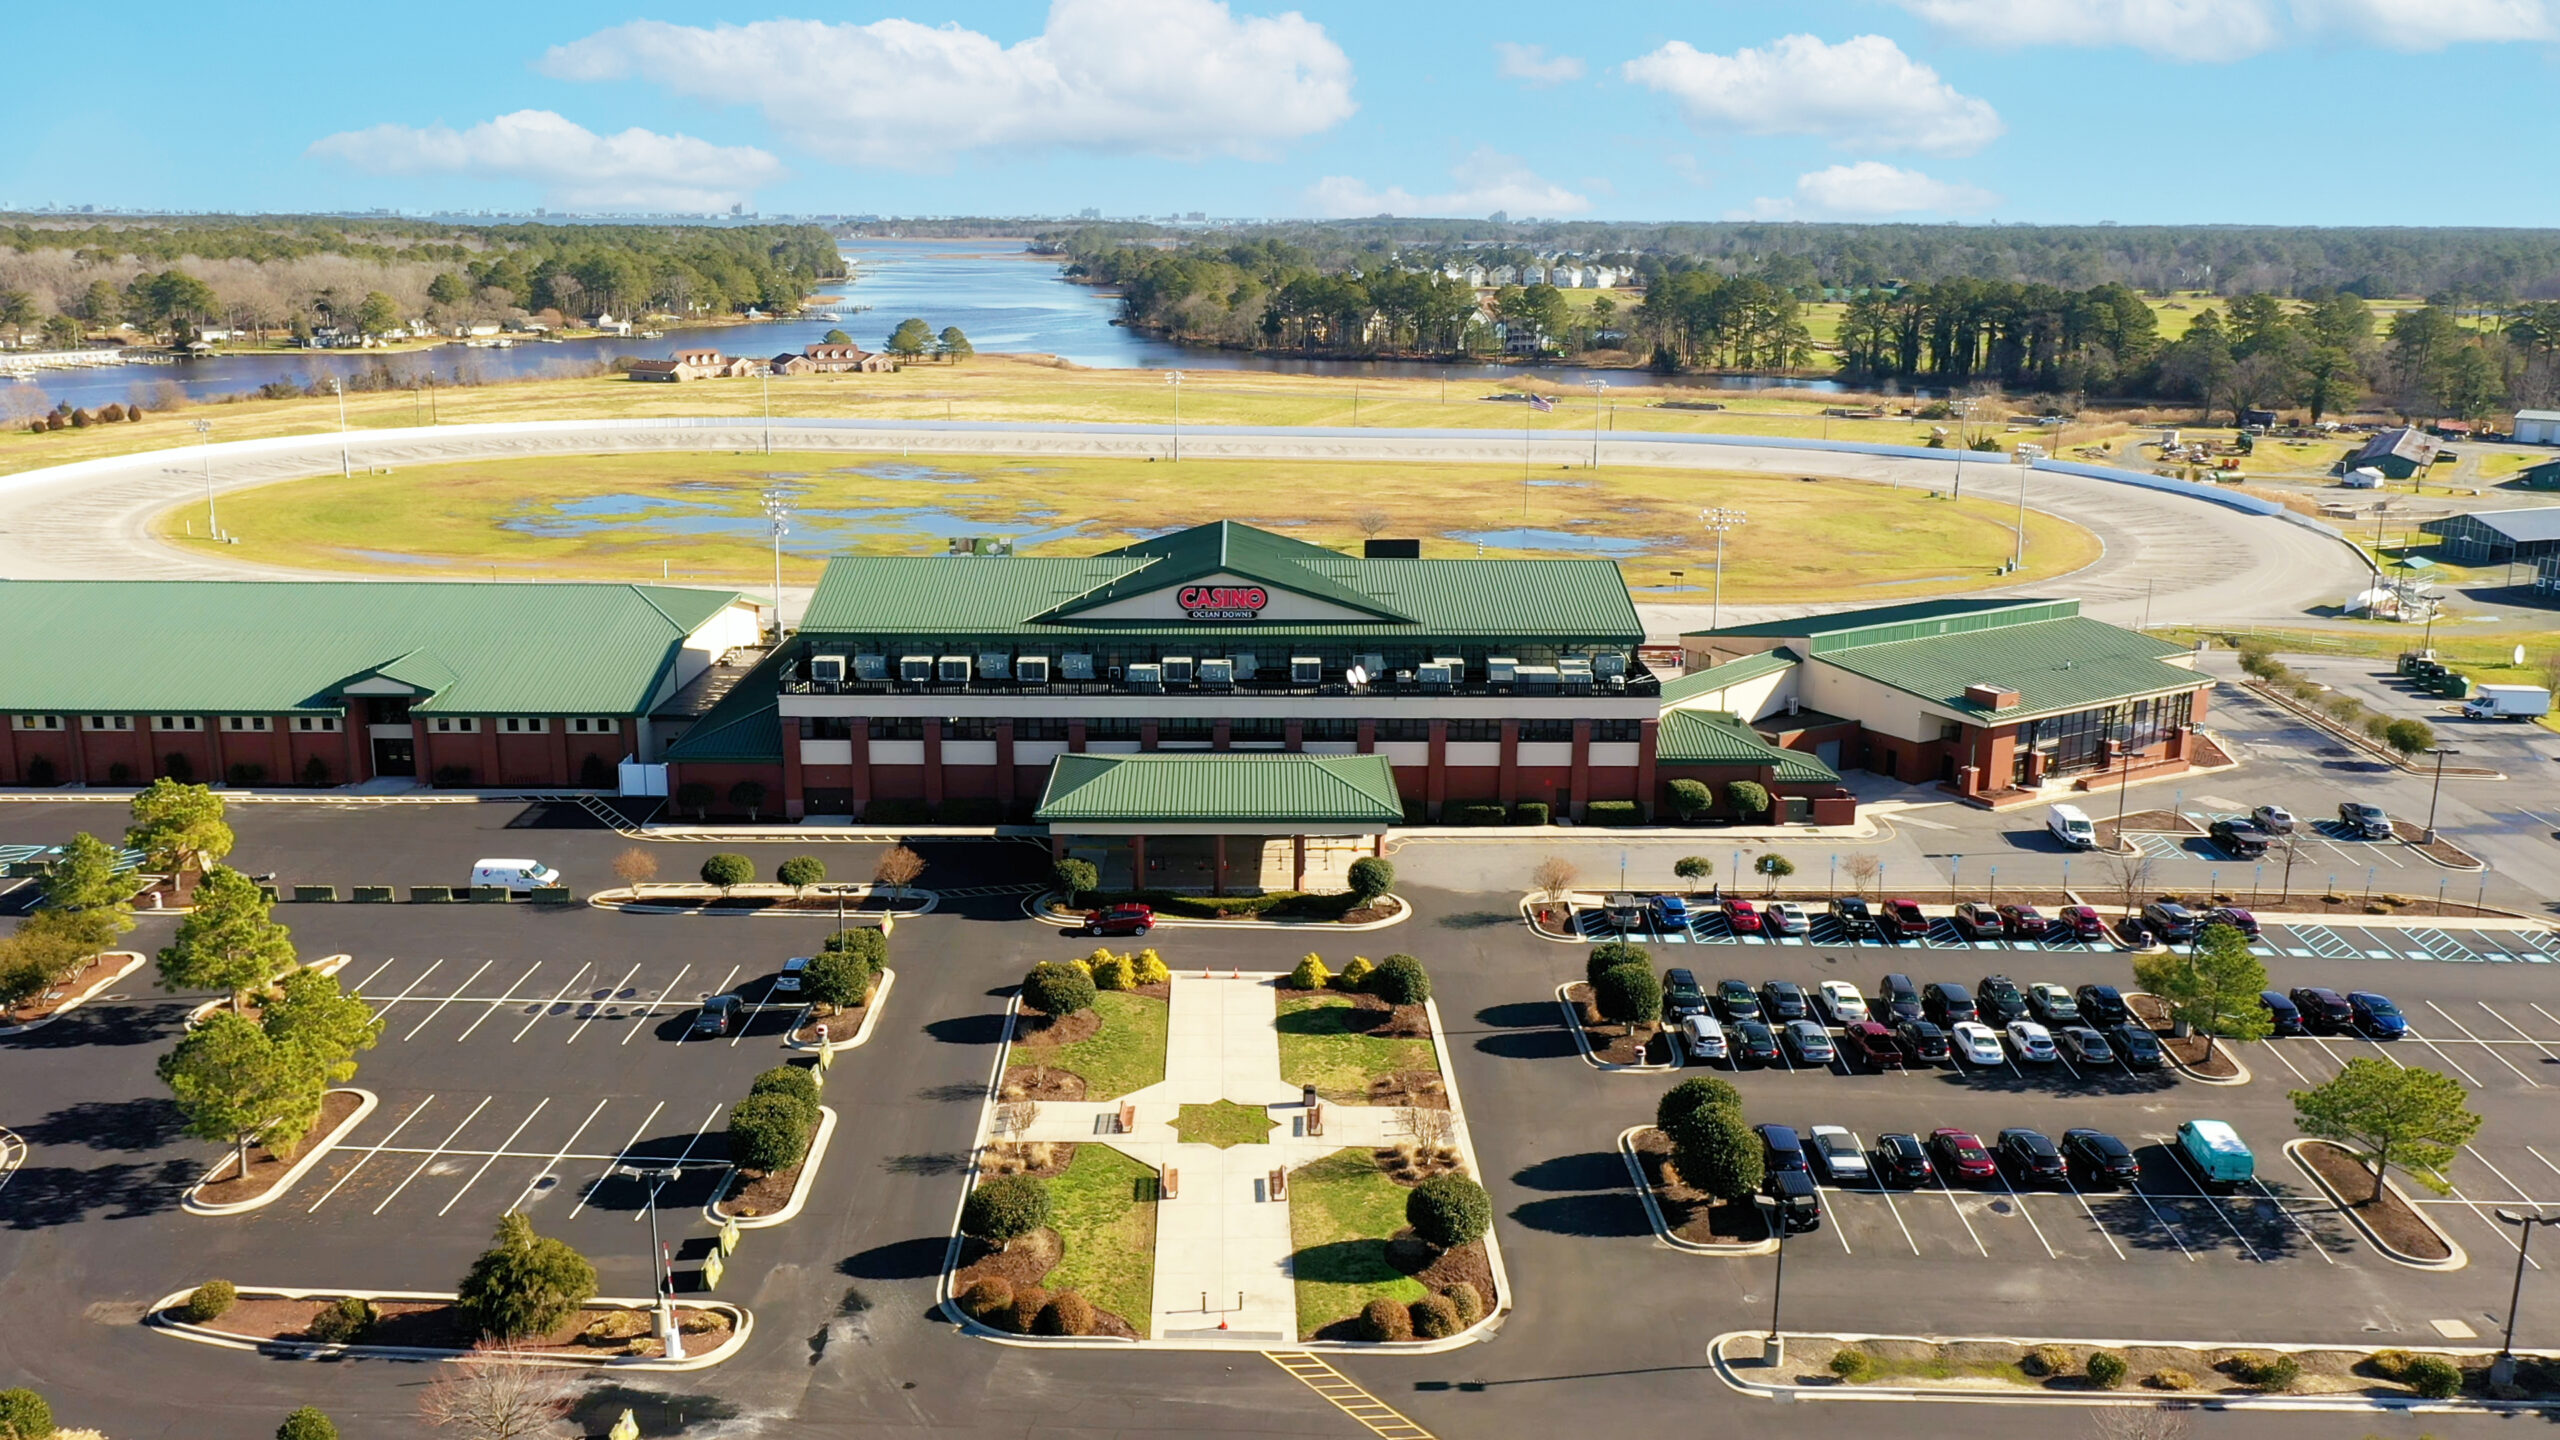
column 2382, row 905
column 1035, row 1031
column 1027, row 1261
column 1410, row 1089
column 2150, row 822
column 2204, row 752
column 1014, row 1157
column 1614, row 1043
column 2440, row 850
column 841, row 1024
column 2190, row 1050
column 762, row 1192
column 439, row 1325
column 1043, row 1082
column 53, row 997
column 266, row 1167
column 1434, row 1267
column 1692, row 1214
column 2391, row 1217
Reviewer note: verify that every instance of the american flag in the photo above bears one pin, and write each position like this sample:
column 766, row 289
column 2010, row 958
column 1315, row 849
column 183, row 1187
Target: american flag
column 1541, row 402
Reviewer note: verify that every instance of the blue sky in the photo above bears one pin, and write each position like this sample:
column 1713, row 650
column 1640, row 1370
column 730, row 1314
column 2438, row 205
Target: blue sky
column 2278, row 111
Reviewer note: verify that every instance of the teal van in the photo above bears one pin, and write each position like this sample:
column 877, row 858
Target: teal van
column 2215, row 1151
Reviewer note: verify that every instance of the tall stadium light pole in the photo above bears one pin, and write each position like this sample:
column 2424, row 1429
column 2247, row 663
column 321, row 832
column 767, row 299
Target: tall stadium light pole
column 2502, row 1371
column 1599, row 388
column 346, row 463
column 204, row 443
column 777, row 514
column 1174, row 379
column 2441, row 751
column 766, row 377
column 1719, row 519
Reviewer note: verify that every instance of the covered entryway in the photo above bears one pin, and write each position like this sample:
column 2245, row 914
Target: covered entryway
column 395, row 757
column 1221, row 821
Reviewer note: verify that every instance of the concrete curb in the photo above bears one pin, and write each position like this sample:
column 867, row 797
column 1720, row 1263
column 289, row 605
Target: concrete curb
column 2243, row 1078
column 1653, row 1208
column 74, row 1002
column 366, row 1100
column 2354, row 740
column 326, row 965
column 1866, row 829
column 742, row 1323
column 1037, row 907
column 1728, row 1371
column 2455, row 1260
column 870, row 1017
column 1582, row 1043
column 605, row 900
column 799, row 1192
column 1529, row 916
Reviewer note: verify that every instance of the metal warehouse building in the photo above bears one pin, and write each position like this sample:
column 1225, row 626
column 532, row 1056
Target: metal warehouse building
column 2504, row 537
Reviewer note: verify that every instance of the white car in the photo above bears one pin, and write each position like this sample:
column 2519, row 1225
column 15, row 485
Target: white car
column 1835, row 1151
column 2032, row 1042
column 788, row 982
column 1702, row 1037
column 1784, row 917
column 1842, row 1002
column 1977, row 1043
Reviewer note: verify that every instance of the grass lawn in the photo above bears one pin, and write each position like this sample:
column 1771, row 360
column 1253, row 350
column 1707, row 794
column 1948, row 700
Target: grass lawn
column 2487, row 658
column 1342, row 1211
column 1223, row 1124
column 1106, row 1219
column 1315, row 1049
column 697, row 517
column 1126, row 1054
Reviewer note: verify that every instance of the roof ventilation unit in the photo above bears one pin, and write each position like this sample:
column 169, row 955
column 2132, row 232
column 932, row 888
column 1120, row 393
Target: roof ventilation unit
column 1990, row 695
column 955, row 670
column 1540, row 680
column 1032, row 670
column 1609, row 662
column 874, row 668
column 1501, row 670
column 994, row 665
column 1217, row 674
column 1177, row 671
column 827, row 670
column 1376, row 665
column 1577, row 676
column 1146, row 679
column 1306, row 670
column 1075, row 665
column 1435, row 676
column 915, row 669
column 1248, row 665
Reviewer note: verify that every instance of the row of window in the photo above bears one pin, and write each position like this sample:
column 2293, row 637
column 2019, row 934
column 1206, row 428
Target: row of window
column 328, row 724
column 1243, row 731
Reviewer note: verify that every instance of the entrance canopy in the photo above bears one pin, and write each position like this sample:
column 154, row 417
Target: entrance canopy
column 1208, row 792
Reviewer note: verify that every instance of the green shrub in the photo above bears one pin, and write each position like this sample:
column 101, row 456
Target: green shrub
column 2047, row 1360
column 207, row 1302
column 1369, row 877
column 1484, row 815
column 1747, row 797
column 24, row 1415
column 1852, row 1364
column 1310, row 974
column 1076, row 877
column 1715, row 1152
column 1470, row 1305
column 525, row 1284
column 2279, row 1373
column 343, row 1323
column 988, row 1301
column 1384, row 1319
column 1354, row 976
column 2258, row 659
column 1532, row 812
column 1610, row 812
column 1003, row 1210
column 797, row 1081
column 2106, row 1369
column 1067, row 1313
column 801, row 871
column 2410, row 737
column 1400, row 980
column 1448, row 1210
column 2390, row 1364
column 1434, row 1318
column 839, row 977
column 1691, row 799
column 1608, row 955
column 1630, row 994
column 728, row 871
column 1693, row 868
column 1023, row 1316
column 307, row 1423
column 1056, row 988
column 2432, row 1377
column 2170, row 1380
column 1691, row 1095
column 770, row 1132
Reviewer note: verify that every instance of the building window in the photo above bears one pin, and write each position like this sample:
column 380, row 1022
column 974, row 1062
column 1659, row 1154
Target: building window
column 897, row 728
column 1546, row 732
column 316, row 724
column 827, row 727
column 1404, row 730
column 594, row 725
column 1039, row 729
column 524, row 725
column 107, row 722
column 1475, row 730
column 1617, row 732
column 1179, row 731
column 457, row 725
column 390, row 711
column 1257, row 730
column 969, row 727
column 176, row 722
column 256, row 724
column 1111, row 730
column 39, row 722
column 1334, row 730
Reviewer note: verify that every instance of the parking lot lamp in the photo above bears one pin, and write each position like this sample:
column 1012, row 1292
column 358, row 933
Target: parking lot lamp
column 2502, row 1371
column 1719, row 519
column 1599, row 388
column 204, row 444
column 662, row 1280
column 1174, row 379
column 1774, row 1353
column 2439, row 752
column 777, row 514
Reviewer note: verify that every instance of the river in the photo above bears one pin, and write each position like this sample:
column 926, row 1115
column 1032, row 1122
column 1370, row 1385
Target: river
column 1001, row 298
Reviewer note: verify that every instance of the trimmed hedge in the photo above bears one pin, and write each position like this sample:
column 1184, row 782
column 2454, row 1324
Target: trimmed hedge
column 797, row 1081
column 1483, row 815
column 1067, row 1313
column 1435, row 1317
column 1612, row 812
column 1400, row 980
column 771, row 1131
column 1005, row 1209
column 1385, row 1319
column 1608, row 955
column 1532, row 812
column 208, row 1301
column 1293, row 904
column 1448, row 1210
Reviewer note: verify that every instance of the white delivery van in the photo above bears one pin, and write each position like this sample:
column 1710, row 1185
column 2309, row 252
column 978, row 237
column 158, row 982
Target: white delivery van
column 2071, row 827
column 516, row 875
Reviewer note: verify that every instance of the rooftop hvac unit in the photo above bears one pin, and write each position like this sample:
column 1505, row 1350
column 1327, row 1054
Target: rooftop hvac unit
column 1435, row 676
column 871, row 667
column 826, row 669
column 1577, row 676
column 1376, row 665
column 994, row 665
column 1306, row 670
column 1248, row 666
column 1501, row 669
column 1217, row 674
column 954, row 670
column 1146, row 679
column 915, row 669
column 1457, row 665
column 1178, row 671
column 1539, row 680
column 1075, row 665
column 1609, row 662
column 1032, row 670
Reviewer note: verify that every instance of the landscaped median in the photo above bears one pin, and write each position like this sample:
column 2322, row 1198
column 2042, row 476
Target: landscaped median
column 1100, row 1041
column 2394, row 1225
column 224, row 1190
column 2198, row 1057
column 1696, row 1169
column 430, row 1325
column 1059, row 1240
column 69, row 992
column 1358, row 1042
column 777, row 1139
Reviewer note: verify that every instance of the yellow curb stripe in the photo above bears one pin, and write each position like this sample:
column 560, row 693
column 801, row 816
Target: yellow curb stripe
column 1340, row 1392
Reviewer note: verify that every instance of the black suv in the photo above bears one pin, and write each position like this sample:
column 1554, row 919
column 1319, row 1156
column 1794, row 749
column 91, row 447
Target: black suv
column 2102, row 1005
column 2030, row 1159
column 1780, row 1149
column 2000, row 999
column 2174, row 923
column 1853, row 915
column 1922, row 1043
column 1682, row 995
column 2098, row 1158
column 2239, row 839
column 1946, row 1003
column 1897, row 1000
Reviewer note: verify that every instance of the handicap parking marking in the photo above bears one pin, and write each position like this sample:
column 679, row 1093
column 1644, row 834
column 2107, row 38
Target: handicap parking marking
column 491, row 1007
column 640, row 1021
column 372, row 1151
column 2326, row 943
column 2441, row 946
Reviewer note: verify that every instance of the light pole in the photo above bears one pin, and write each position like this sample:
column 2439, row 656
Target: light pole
column 1598, row 389
column 1174, row 379
column 346, row 463
column 1774, row 1353
column 2439, row 752
column 777, row 514
column 662, row 1280
column 204, row 443
column 2502, row 1371
column 765, row 378
column 1964, row 442
column 1719, row 518
column 2018, row 561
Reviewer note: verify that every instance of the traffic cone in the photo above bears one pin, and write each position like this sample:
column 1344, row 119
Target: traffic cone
column 1222, row 1324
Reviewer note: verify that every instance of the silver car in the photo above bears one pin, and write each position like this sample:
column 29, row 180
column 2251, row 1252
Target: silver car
column 1809, row 1042
column 1703, row 1038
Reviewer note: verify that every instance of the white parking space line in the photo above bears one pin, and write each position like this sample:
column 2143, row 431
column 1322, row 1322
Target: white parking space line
column 2160, row 1220
column 494, row 1005
column 747, row 1021
column 449, row 999
column 357, row 988
column 431, row 1155
column 2020, row 1201
column 2482, row 1211
column 2236, row 1234
column 1887, row 1193
column 688, row 1148
column 494, row 1154
column 556, row 1156
column 640, row 1021
column 557, row 996
column 610, row 991
column 412, row 990
column 2510, row 1024
column 1839, row 1227
column 2467, row 1077
column 2103, row 1232
column 2287, row 1211
column 619, row 1156
column 720, row 989
column 1958, row 1207
column 2277, row 1051
column 2476, row 1040
column 369, row 1154
column 2545, row 1014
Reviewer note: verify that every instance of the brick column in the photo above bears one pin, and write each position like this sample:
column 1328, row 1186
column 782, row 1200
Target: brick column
column 488, row 751
column 1075, row 737
column 1137, row 862
column 1147, row 733
column 1580, row 795
column 556, row 730
column 1435, row 788
column 1368, row 737
column 795, row 791
column 1507, row 789
column 1004, row 767
column 1293, row 735
column 358, row 752
column 1644, row 768
column 1297, row 862
column 1217, row 864
column 1221, row 733
column 933, row 761
column 860, row 728
column 221, row 766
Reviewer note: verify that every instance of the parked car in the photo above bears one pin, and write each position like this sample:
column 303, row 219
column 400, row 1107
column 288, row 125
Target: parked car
column 1900, row 1159
column 2070, row 825
column 2137, row 1046
column 1785, row 917
column 2052, row 1004
column 1796, row 1199
column 1670, row 914
column 1897, row 999
column 2032, row 1042
column 516, row 876
column 1780, row 1149
column 1978, row 1043
column 1850, row 912
column 1842, row 1002
column 1623, row 910
column 719, row 1015
column 1682, row 995
column 1735, row 999
column 2022, row 922
column 1872, row 1045
column 1809, row 1043
column 2237, row 839
column 2000, row 1000
column 1701, row 1038
column 1947, row 1003
column 2283, row 1016
column 1836, row 1154
column 1754, row 1042
column 1922, row 1043
column 1783, row 1000
column 2083, row 922
column 1977, row 920
column 794, row 970
column 2174, row 923
column 2099, row 1159
column 2364, row 822
column 2084, row 1046
column 1740, row 916
column 2376, row 1016
column 2102, row 1005
column 2324, row 1011
column 2235, row 917
column 1123, row 919
column 2216, row 1153
column 2274, row 819
column 1960, row 1156
column 1903, row 920
column 2031, row 1159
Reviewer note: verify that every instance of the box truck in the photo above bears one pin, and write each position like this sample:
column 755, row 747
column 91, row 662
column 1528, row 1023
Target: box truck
column 2508, row 702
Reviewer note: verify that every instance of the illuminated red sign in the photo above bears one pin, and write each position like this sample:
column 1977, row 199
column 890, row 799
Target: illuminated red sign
column 1222, row 602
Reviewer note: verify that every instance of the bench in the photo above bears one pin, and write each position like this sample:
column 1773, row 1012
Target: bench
column 1279, row 1184
column 1170, row 1187
column 1315, row 1119
column 1128, row 1119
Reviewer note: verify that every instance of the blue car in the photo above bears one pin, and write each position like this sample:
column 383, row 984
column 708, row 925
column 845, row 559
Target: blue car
column 1670, row 913
column 2376, row 1016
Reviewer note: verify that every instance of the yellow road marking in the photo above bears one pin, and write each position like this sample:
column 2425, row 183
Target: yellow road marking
column 1381, row 1418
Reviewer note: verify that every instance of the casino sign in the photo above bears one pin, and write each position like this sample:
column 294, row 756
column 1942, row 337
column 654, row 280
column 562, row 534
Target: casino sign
column 1223, row 602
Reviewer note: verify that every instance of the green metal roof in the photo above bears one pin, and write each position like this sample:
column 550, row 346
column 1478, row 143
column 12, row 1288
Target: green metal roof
column 1717, row 737
column 2055, row 666
column 1919, row 619
column 745, row 727
column 1031, row 597
column 245, row 647
column 1727, row 675
column 1200, row 787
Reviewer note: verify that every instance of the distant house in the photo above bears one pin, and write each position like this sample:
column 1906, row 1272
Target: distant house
column 840, row 359
column 2452, row 429
column 2538, row 427
column 787, row 363
column 2399, row 452
column 695, row 365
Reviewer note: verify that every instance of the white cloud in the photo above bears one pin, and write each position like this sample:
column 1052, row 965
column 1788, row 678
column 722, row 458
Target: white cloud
column 2234, row 29
column 1181, row 78
column 577, row 168
column 1862, row 92
column 1532, row 64
column 1868, row 190
column 1486, row 181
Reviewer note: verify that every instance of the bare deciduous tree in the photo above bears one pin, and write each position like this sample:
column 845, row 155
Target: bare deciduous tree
column 636, row 866
column 1862, row 870
column 1015, row 1117
column 2131, row 875
column 1554, row 876
column 1432, row 1128
column 897, row 869
column 1373, row 523
column 498, row 1393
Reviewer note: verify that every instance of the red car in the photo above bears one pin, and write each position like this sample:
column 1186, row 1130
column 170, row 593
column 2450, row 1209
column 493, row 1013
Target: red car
column 1741, row 917
column 1120, row 920
column 2022, row 922
column 2082, row 922
column 1962, row 1157
column 1872, row 1044
column 1902, row 919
